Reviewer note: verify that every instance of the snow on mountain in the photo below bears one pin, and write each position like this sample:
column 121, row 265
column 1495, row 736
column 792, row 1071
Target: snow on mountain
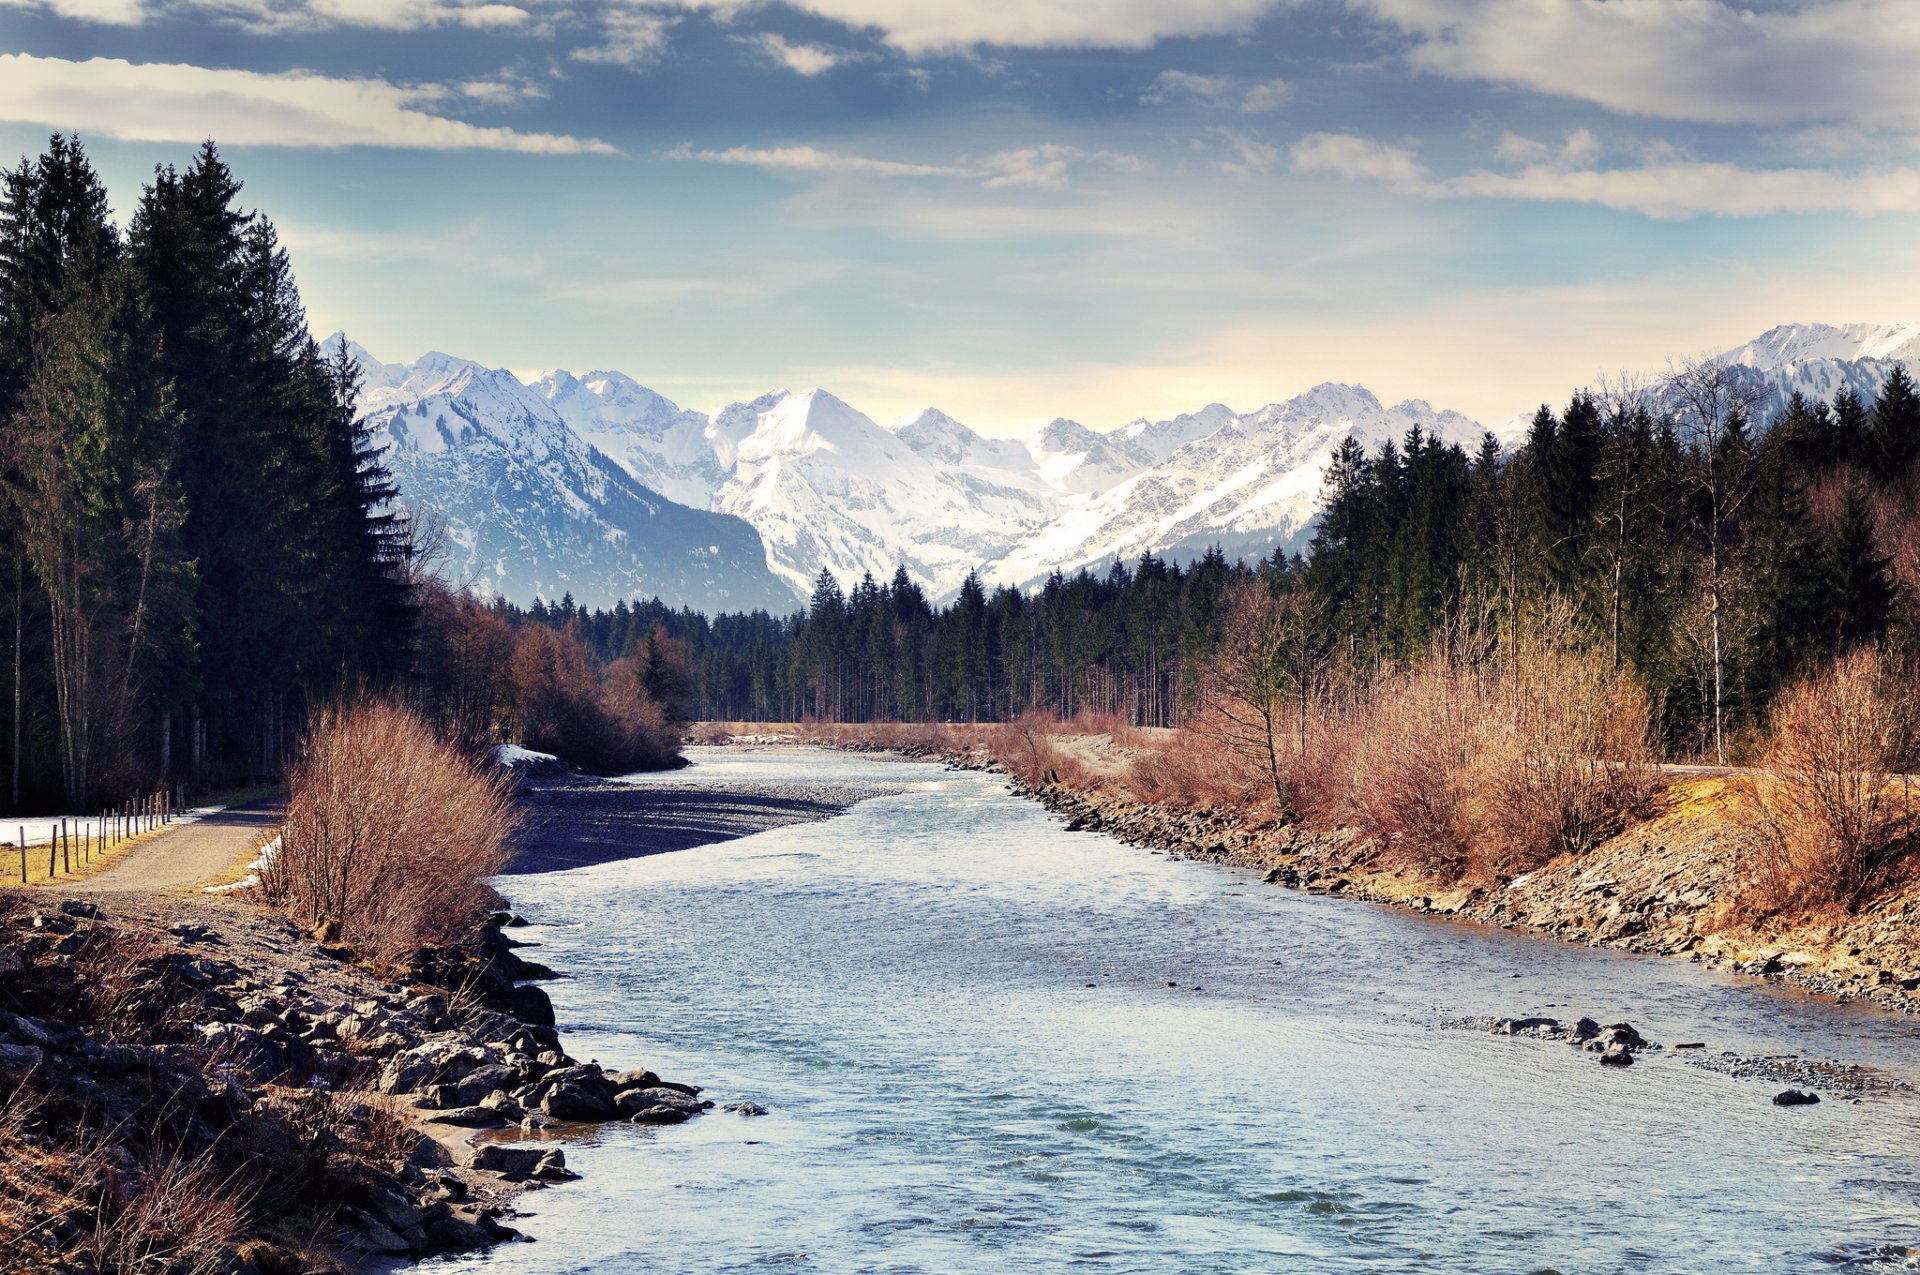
column 1160, row 439
column 1819, row 360
column 1792, row 344
column 1250, row 484
column 1075, row 459
column 551, row 485
column 827, row 487
column 661, row 445
column 532, row 510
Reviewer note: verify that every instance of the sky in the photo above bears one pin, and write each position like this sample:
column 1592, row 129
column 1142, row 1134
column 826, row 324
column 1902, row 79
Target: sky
column 1100, row 209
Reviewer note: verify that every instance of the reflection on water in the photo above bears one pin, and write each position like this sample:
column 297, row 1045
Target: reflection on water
column 989, row 1045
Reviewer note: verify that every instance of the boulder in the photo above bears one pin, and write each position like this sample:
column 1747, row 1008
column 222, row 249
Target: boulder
column 514, row 1163
column 1795, row 1098
column 1616, row 1056
column 432, row 1062
column 635, row 1100
column 661, row 1115
column 577, row 1103
column 20, row 1058
column 475, row 1117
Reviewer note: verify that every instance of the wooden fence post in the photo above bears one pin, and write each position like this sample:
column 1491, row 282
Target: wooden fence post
column 23, row 854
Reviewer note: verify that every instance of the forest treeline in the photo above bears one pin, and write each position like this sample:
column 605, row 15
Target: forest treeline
column 196, row 539
column 1712, row 556
column 198, row 542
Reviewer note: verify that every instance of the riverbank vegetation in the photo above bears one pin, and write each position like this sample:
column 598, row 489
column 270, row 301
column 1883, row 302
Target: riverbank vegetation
column 390, row 835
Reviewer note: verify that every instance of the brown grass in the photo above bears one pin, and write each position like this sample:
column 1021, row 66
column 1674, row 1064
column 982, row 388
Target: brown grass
column 390, row 833
column 1836, row 812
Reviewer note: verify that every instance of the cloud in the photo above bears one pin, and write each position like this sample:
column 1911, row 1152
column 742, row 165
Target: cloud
column 281, row 16
column 633, row 38
column 814, row 160
column 802, row 59
column 1031, row 166
column 172, row 102
column 1579, row 149
column 1661, row 186
column 1344, row 155
column 1687, row 189
column 1044, row 166
column 1703, row 61
column 104, row 12
column 1223, row 92
column 1251, row 158
column 920, row 27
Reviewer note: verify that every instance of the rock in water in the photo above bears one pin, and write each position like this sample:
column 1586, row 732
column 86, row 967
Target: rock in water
column 1795, row 1098
column 1617, row 1056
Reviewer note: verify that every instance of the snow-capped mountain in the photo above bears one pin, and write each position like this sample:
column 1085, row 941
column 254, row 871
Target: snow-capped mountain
column 657, row 442
column 827, row 487
column 1819, row 360
column 531, row 510
column 598, row 485
column 1160, row 439
column 1251, row 484
column 1077, row 460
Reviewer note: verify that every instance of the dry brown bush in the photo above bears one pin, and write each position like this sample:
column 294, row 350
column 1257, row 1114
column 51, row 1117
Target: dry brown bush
column 1455, row 771
column 391, row 833
column 1411, row 748
column 1026, row 749
column 1563, row 760
column 1835, row 810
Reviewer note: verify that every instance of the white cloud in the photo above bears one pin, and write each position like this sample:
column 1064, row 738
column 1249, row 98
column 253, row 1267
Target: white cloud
column 1579, row 149
column 633, row 38
column 1344, row 155
column 1031, row 166
column 171, row 102
column 1044, row 166
column 1687, row 189
column 921, row 27
column 802, row 59
column 1224, row 92
column 1708, row 61
column 1250, row 157
column 278, row 16
column 814, row 160
column 105, row 12
column 1661, row 186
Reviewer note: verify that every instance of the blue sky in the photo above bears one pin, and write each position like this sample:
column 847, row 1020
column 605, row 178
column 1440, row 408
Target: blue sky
column 1093, row 208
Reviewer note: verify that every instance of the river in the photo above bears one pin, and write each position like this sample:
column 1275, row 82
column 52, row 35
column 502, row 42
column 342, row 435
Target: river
column 990, row 1045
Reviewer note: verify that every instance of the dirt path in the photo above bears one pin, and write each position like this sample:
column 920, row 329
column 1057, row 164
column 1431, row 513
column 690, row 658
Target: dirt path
column 188, row 855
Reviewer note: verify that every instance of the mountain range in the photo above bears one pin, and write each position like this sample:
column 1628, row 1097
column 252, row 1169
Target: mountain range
column 597, row 486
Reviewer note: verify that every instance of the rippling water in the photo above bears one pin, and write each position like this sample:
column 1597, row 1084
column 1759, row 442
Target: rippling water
column 989, row 1045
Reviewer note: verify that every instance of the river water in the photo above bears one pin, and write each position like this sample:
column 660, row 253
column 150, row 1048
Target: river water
column 990, row 1045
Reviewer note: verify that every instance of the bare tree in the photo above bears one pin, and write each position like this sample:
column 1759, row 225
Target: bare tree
column 1712, row 402
column 1259, row 685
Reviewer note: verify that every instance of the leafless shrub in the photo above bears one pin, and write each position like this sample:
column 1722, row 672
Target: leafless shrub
column 1834, row 810
column 390, row 833
column 177, row 1216
column 1411, row 752
column 1563, row 759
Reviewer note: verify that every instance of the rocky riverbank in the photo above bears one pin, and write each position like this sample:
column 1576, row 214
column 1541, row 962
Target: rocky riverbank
column 292, row 1110
column 1669, row 886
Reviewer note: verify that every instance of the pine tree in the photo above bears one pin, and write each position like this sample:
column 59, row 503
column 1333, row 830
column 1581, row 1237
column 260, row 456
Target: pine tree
column 1893, row 436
